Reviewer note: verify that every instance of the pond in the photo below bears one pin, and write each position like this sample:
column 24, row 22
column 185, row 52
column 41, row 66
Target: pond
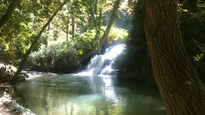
column 85, row 95
column 94, row 91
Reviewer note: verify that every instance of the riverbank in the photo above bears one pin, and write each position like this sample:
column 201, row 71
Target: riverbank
column 6, row 110
column 7, row 74
column 8, row 106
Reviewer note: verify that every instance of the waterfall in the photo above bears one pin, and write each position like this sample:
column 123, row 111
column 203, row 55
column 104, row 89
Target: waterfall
column 102, row 64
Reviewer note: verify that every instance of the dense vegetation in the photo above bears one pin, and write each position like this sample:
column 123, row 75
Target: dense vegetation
column 136, row 64
column 60, row 36
column 67, row 58
column 165, row 42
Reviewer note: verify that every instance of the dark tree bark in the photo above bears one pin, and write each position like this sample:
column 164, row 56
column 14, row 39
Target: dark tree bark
column 8, row 12
column 181, row 90
column 35, row 42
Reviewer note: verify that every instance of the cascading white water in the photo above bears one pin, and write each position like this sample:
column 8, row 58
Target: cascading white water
column 102, row 64
column 101, row 72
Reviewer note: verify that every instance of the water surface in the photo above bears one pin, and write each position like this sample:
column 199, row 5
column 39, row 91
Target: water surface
column 83, row 95
column 95, row 91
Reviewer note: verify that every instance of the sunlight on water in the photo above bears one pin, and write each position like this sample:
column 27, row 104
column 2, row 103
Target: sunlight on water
column 91, row 92
column 77, row 95
column 101, row 64
column 108, row 88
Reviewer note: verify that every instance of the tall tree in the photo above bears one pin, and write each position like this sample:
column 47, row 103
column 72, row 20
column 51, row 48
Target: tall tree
column 98, row 24
column 111, row 21
column 8, row 12
column 73, row 25
column 35, row 41
column 67, row 29
column 181, row 90
column 97, row 19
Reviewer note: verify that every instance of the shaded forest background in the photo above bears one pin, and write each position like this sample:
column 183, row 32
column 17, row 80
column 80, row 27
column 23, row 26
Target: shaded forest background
column 135, row 65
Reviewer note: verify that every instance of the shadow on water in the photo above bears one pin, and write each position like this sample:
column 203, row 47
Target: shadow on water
column 88, row 93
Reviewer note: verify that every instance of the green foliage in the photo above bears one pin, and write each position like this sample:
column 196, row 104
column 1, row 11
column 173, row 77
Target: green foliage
column 54, row 57
column 193, row 26
column 181, row 9
column 87, row 42
column 63, row 54
column 118, row 34
column 24, row 22
column 80, row 21
column 7, row 72
column 198, row 57
column 134, row 64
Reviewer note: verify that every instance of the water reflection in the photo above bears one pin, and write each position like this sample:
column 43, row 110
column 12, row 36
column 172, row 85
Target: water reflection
column 87, row 93
column 71, row 95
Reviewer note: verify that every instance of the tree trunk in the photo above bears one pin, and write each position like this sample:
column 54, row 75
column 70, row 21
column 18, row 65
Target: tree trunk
column 97, row 20
column 47, row 36
column 181, row 90
column 111, row 21
column 67, row 28
column 35, row 41
column 73, row 25
column 8, row 12
column 99, row 24
column 102, row 41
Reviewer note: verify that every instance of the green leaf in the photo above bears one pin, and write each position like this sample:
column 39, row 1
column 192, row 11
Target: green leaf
column 80, row 52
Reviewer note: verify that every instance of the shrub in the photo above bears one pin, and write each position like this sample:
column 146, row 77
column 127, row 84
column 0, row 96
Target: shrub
column 54, row 58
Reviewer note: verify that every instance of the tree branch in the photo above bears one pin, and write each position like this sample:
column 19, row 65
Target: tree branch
column 8, row 12
column 36, row 39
